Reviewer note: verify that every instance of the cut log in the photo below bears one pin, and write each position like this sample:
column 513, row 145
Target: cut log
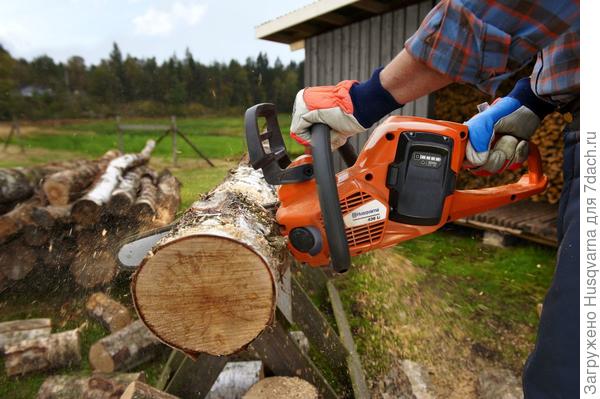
column 107, row 311
column 236, row 379
column 145, row 205
column 125, row 349
column 50, row 216
column 169, row 199
column 125, row 194
column 88, row 209
column 65, row 186
column 139, row 390
column 210, row 285
column 96, row 386
column 13, row 332
column 17, row 259
column 95, row 262
column 282, row 387
column 35, row 236
column 12, row 222
column 45, row 353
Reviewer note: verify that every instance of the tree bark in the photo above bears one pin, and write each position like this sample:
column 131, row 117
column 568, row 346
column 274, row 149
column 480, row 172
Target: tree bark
column 169, row 199
column 125, row 349
column 140, row 390
column 17, row 259
column 88, row 209
column 125, row 194
column 67, row 185
column 236, row 379
column 15, row 331
column 12, row 222
column 210, row 285
column 57, row 350
column 96, row 386
column 51, row 215
column 144, row 208
column 107, row 311
column 282, row 387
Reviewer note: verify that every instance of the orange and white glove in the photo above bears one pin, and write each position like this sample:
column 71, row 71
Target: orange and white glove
column 348, row 108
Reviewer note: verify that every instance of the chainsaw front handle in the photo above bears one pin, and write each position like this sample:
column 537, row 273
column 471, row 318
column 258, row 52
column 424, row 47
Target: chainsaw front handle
column 329, row 201
column 470, row 202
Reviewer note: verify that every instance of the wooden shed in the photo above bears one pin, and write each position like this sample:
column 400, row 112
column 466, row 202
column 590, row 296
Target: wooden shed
column 347, row 39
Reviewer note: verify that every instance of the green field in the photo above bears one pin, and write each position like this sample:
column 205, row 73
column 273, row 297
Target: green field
column 456, row 306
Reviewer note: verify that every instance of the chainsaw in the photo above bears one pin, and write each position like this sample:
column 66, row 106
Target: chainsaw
column 401, row 186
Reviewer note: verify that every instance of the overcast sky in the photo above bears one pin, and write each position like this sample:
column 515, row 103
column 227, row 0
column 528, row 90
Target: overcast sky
column 213, row 30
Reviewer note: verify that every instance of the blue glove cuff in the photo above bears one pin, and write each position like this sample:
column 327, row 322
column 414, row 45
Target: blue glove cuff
column 522, row 92
column 481, row 126
column 371, row 101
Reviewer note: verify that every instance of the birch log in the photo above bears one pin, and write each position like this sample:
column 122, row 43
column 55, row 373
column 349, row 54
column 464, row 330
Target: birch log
column 169, row 199
column 125, row 349
column 51, row 215
column 96, row 386
column 12, row 222
column 125, row 194
column 109, row 312
column 145, row 205
column 65, row 186
column 210, row 285
column 15, row 331
column 88, row 209
column 140, row 390
column 44, row 353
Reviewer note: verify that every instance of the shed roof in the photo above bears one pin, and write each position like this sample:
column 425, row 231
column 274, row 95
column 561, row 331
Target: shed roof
column 322, row 16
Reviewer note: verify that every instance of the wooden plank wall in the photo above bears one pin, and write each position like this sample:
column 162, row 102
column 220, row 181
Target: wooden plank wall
column 353, row 51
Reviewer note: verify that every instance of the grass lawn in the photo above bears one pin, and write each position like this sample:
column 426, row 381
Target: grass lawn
column 449, row 302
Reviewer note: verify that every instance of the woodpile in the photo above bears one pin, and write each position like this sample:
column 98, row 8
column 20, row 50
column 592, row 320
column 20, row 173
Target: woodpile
column 458, row 103
column 72, row 216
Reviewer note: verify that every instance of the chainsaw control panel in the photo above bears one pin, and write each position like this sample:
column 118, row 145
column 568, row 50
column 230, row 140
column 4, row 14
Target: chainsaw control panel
column 420, row 178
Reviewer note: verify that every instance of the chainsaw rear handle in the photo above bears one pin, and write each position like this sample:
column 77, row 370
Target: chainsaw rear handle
column 329, row 201
column 471, row 202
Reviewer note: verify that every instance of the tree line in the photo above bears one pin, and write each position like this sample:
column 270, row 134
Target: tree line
column 118, row 85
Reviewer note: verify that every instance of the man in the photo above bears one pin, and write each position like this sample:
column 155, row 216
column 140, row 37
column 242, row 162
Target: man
column 483, row 43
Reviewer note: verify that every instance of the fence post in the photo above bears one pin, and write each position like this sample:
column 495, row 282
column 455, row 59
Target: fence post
column 121, row 142
column 174, row 137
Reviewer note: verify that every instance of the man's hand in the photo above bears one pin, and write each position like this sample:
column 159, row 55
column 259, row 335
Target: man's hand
column 348, row 108
column 331, row 105
column 498, row 135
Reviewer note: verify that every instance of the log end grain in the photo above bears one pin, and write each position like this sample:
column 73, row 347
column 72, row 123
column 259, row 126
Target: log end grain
column 282, row 387
column 219, row 298
column 102, row 361
column 140, row 390
column 86, row 212
column 56, row 191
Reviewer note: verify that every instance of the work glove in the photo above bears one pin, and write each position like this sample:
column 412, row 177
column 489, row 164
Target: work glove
column 499, row 133
column 348, row 108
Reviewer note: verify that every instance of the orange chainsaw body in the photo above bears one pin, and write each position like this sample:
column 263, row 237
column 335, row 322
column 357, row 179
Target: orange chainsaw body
column 365, row 192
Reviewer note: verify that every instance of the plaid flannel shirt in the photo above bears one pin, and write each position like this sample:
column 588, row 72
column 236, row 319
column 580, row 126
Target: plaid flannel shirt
column 483, row 42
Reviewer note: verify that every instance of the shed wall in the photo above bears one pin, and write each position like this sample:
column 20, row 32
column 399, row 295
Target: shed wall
column 353, row 51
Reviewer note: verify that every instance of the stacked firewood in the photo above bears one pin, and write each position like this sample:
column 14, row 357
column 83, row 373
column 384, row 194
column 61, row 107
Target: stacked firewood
column 72, row 216
column 459, row 102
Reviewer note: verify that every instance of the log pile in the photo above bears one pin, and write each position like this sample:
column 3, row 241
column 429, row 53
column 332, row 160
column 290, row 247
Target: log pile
column 72, row 216
column 459, row 102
